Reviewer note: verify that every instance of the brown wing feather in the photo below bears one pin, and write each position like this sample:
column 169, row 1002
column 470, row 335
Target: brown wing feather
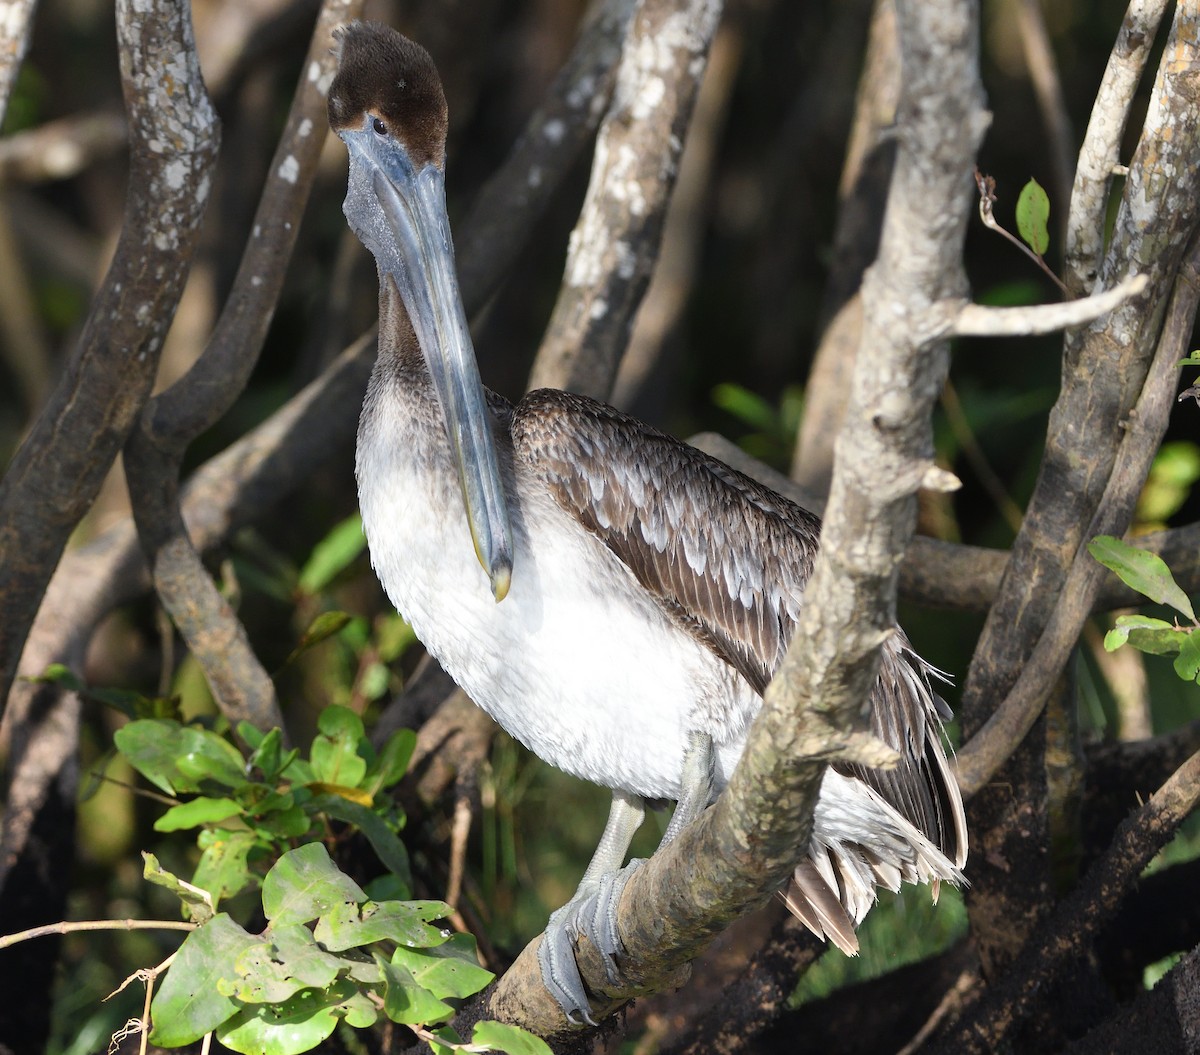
column 722, row 551
column 729, row 559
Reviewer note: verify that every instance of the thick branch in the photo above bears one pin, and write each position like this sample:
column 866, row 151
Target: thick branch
column 510, row 203
column 174, row 418
column 15, row 29
column 59, row 468
column 616, row 241
column 1100, row 154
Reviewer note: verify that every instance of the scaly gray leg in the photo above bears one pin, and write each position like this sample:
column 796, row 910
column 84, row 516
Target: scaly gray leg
column 556, row 954
column 593, row 908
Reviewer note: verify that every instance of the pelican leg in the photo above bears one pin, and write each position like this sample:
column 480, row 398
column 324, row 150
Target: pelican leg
column 582, row 914
column 697, row 785
column 593, row 908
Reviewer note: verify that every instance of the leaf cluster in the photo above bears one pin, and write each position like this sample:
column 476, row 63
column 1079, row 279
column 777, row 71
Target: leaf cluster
column 252, row 808
column 327, row 954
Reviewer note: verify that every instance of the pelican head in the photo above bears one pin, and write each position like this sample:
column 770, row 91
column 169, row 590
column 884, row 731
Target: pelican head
column 387, row 105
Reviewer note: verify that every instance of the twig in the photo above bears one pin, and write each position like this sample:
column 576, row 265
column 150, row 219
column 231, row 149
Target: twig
column 977, row 320
column 987, row 199
column 77, row 926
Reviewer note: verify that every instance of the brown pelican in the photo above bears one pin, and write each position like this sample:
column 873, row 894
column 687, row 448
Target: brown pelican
column 614, row 598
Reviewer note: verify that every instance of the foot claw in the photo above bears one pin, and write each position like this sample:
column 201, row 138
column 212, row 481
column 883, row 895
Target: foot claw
column 592, row 911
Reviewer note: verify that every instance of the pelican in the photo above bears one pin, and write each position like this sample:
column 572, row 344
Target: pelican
column 612, row 597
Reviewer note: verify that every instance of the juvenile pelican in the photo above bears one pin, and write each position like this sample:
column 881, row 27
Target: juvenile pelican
column 614, row 598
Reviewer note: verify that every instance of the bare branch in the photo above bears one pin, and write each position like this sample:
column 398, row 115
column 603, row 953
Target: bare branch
column 56, row 473
column 616, row 240
column 61, row 149
column 15, row 29
column 511, row 201
column 241, row 686
column 976, row 320
column 1100, row 154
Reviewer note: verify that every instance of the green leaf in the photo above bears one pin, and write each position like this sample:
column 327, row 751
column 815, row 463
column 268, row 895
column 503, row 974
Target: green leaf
column 178, row 757
column 267, row 756
column 333, row 554
column 298, row 1024
column 499, row 1036
column 286, row 961
column 448, row 1034
column 305, row 884
column 406, row 1000
column 1146, row 634
column 404, row 922
column 224, row 868
column 1033, row 213
column 197, row 901
column 448, row 970
column 1142, row 571
column 748, row 407
column 392, row 762
column 383, row 840
column 335, row 757
column 188, row 1003
column 199, row 811
column 1187, row 663
column 320, row 629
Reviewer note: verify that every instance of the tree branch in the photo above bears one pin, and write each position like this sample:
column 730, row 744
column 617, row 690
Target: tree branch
column 174, row 418
column 59, row 468
column 616, row 241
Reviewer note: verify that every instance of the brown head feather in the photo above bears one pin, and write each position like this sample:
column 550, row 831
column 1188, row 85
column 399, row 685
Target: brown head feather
column 386, row 75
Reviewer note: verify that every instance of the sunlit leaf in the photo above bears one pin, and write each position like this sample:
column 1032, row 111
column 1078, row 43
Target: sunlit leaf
column 448, row 970
column 178, row 757
column 286, row 961
column 304, row 884
column 1144, row 632
column 298, row 1024
column 403, row 922
column 223, row 869
column 1142, row 571
column 500, row 1036
column 332, row 555
column 202, row 810
column 197, row 901
column 335, row 757
column 1187, row 663
column 188, row 1003
column 1033, row 214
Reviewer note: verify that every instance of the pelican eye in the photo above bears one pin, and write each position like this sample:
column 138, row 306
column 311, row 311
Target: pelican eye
column 378, row 127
